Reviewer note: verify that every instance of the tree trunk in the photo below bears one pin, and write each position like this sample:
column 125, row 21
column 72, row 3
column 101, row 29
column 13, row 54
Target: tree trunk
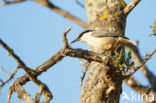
column 104, row 82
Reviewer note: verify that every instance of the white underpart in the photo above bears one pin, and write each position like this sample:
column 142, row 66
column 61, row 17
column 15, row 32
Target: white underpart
column 100, row 44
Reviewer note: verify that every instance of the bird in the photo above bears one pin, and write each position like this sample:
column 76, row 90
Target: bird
column 101, row 40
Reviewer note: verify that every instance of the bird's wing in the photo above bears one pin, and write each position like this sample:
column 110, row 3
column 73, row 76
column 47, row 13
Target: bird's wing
column 99, row 34
column 103, row 34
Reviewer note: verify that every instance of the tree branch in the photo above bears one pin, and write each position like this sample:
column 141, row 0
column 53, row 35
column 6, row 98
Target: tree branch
column 11, row 2
column 66, row 45
column 32, row 74
column 79, row 3
column 84, row 72
column 143, row 90
column 19, row 61
column 51, row 6
column 22, row 94
column 136, row 85
column 11, row 76
column 148, row 74
column 148, row 57
column 38, row 95
column 2, row 69
column 46, row 91
column 65, row 14
column 131, row 6
column 9, row 95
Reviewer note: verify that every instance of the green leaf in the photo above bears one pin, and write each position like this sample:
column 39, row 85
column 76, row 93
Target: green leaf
column 154, row 32
column 129, row 54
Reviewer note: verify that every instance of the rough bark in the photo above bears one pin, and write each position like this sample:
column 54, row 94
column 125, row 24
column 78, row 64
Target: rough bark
column 104, row 82
column 102, row 85
column 106, row 15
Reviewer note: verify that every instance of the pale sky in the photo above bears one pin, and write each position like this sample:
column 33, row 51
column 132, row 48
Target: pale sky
column 35, row 34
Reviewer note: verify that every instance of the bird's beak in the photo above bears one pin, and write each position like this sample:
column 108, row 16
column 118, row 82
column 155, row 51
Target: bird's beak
column 74, row 41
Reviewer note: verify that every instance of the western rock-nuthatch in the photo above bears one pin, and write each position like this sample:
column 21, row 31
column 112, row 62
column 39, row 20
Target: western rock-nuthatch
column 100, row 40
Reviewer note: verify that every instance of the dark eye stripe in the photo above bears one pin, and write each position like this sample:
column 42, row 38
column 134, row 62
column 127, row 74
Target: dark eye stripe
column 84, row 33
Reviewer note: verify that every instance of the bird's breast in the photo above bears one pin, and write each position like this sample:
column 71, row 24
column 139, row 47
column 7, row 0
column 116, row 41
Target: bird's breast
column 102, row 44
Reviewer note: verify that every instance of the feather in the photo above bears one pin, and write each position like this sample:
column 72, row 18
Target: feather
column 103, row 33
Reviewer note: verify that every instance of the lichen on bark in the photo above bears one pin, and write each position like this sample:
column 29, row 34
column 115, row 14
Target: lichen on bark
column 115, row 20
column 104, row 82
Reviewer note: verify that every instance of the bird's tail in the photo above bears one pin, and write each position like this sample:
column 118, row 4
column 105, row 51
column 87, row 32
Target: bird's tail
column 126, row 41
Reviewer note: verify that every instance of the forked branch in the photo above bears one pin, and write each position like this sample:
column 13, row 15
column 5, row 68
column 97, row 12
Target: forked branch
column 131, row 6
column 139, row 61
column 148, row 57
column 51, row 6
column 32, row 74
column 10, row 78
column 42, row 86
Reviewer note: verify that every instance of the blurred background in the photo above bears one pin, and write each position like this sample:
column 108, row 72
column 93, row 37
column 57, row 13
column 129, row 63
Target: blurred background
column 34, row 32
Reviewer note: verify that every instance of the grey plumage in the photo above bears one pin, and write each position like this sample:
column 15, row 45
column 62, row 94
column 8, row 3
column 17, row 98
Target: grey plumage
column 105, row 34
column 100, row 41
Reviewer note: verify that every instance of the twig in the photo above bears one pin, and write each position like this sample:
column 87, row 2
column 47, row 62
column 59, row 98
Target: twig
column 66, row 45
column 48, row 95
column 38, row 95
column 51, row 6
column 84, row 73
column 136, row 85
column 62, row 12
column 79, row 3
column 2, row 69
column 1, row 81
column 138, row 59
column 10, row 52
column 77, row 53
column 141, row 89
column 11, row 2
column 19, row 61
column 22, row 94
column 32, row 74
column 82, row 62
column 130, row 6
column 148, row 57
column 46, row 92
column 9, row 95
column 11, row 76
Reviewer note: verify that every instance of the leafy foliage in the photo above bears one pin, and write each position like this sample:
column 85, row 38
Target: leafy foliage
column 124, row 60
column 154, row 28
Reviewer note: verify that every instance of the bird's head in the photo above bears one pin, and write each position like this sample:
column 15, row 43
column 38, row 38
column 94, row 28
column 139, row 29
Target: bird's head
column 82, row 36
